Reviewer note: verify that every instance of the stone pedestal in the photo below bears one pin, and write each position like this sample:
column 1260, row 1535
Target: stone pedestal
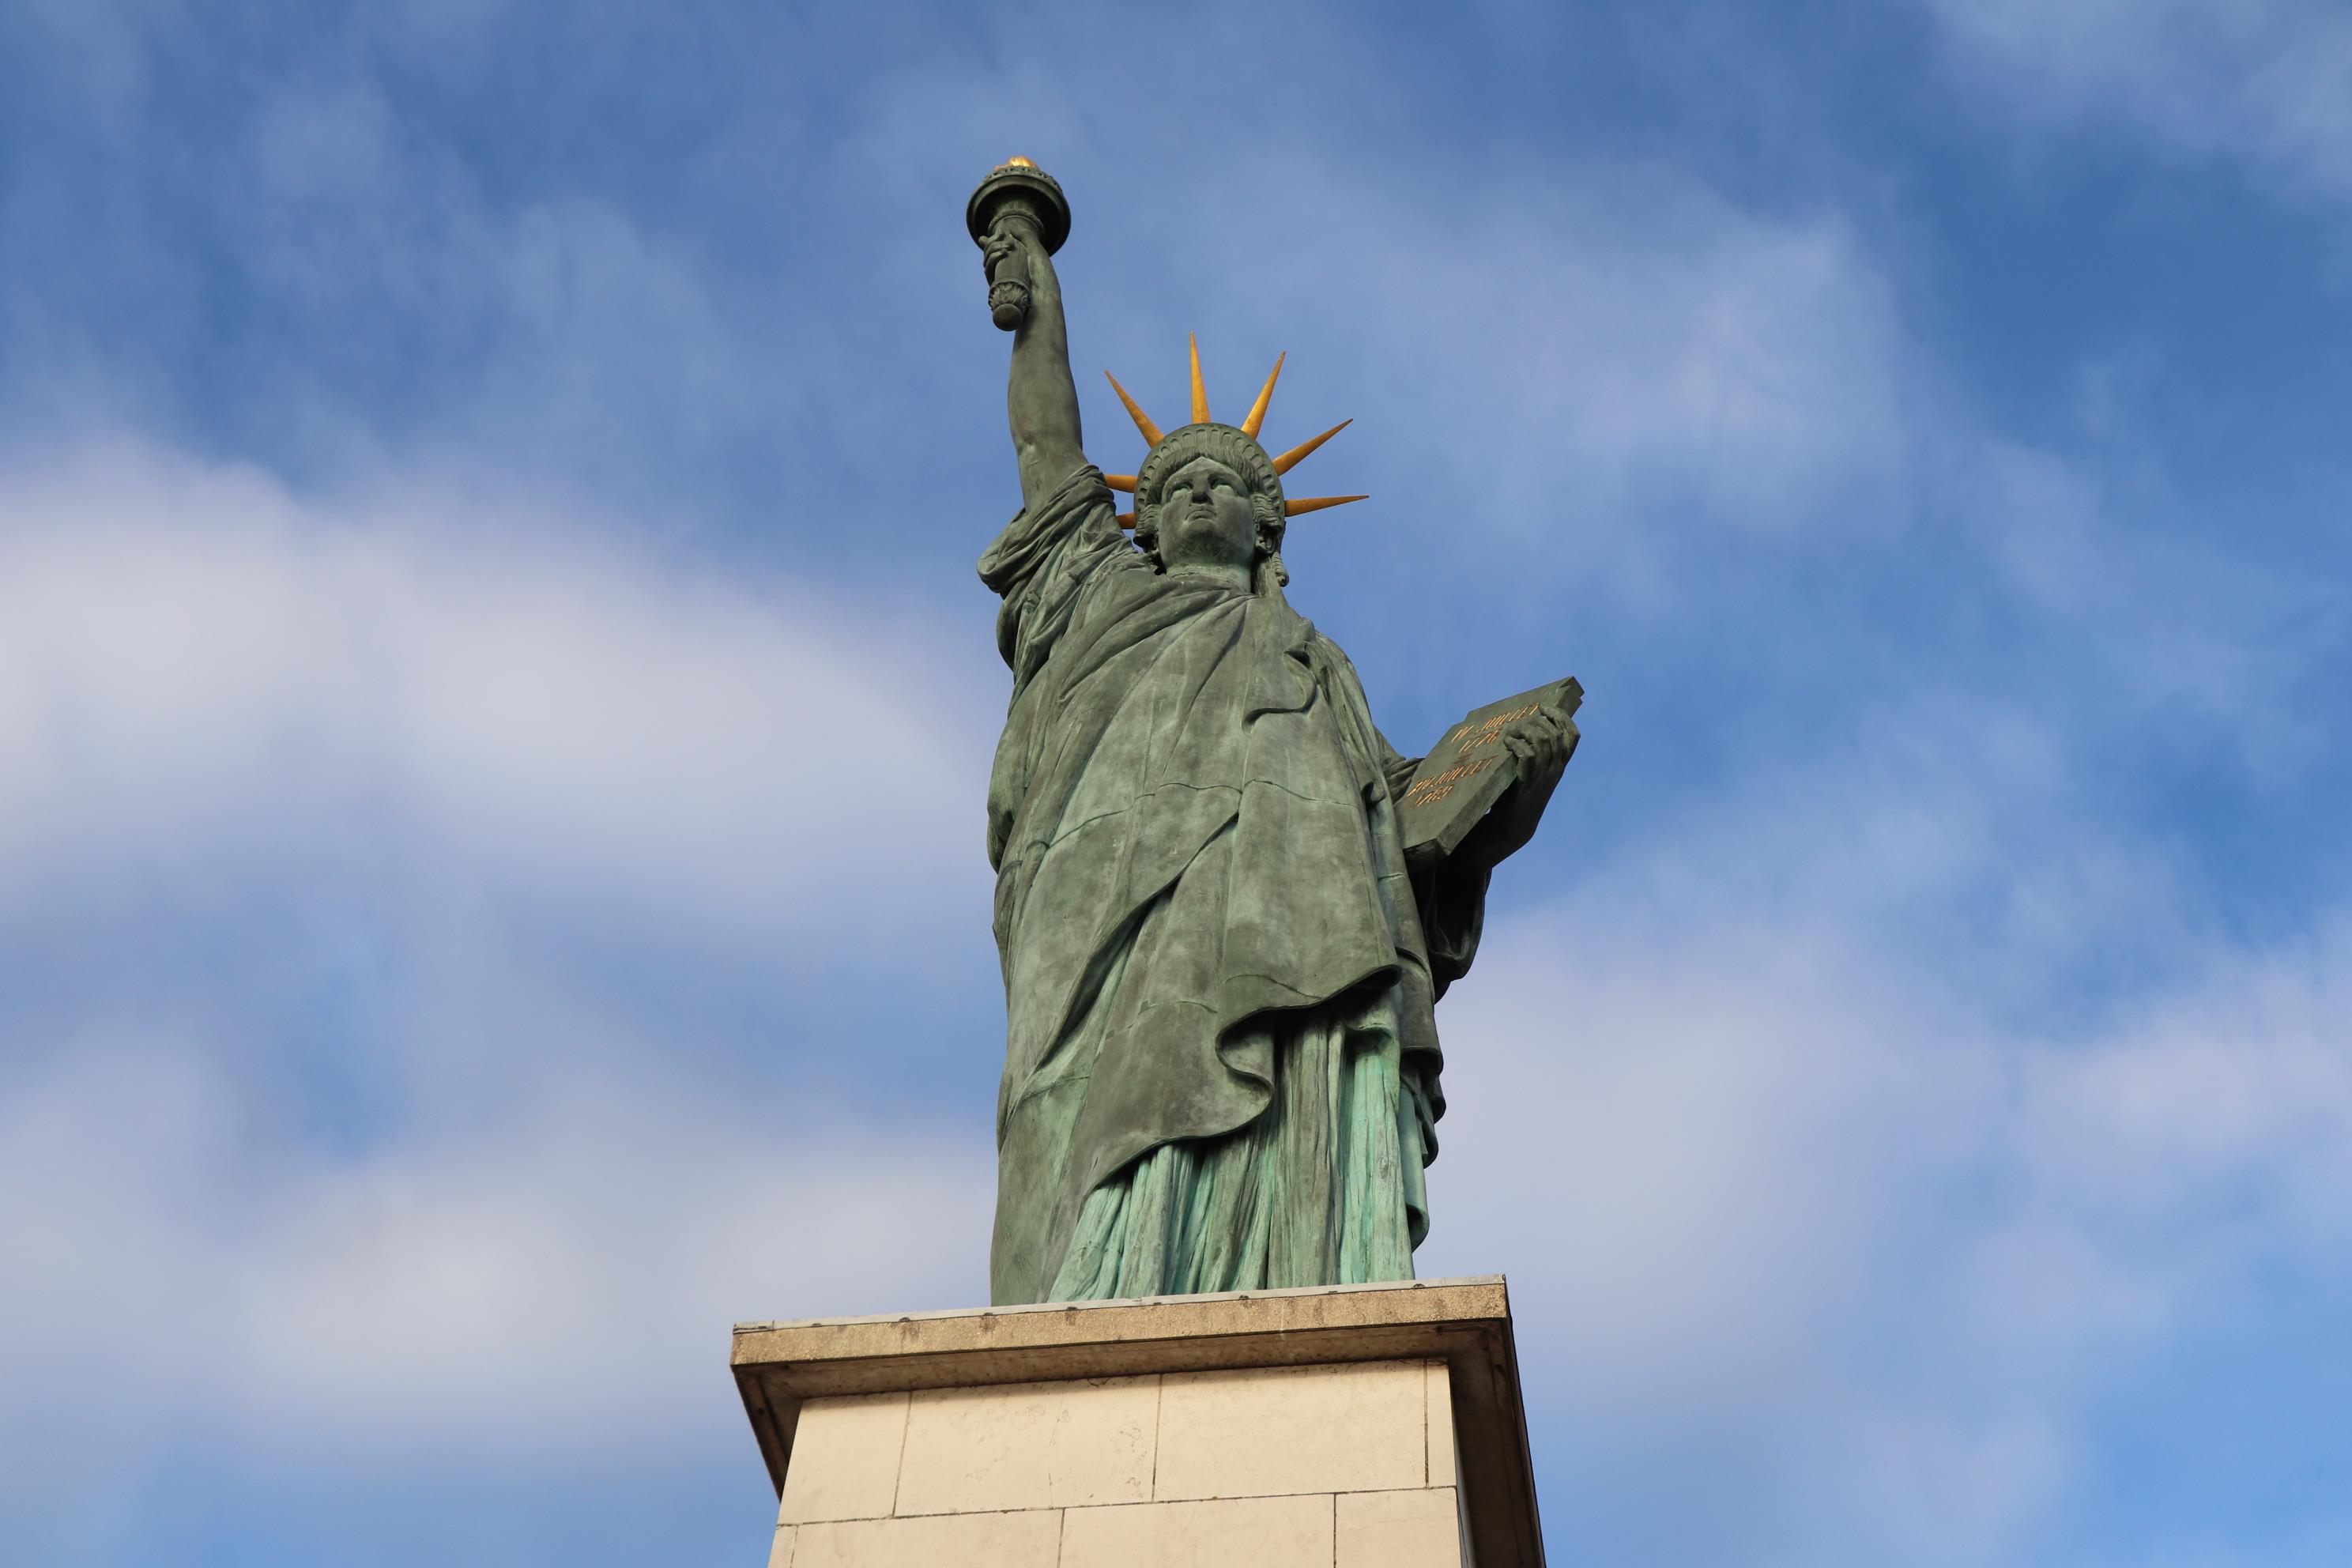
column 1345, row 1426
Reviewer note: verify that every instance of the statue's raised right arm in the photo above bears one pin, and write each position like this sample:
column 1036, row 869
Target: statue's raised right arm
column 1040, row 398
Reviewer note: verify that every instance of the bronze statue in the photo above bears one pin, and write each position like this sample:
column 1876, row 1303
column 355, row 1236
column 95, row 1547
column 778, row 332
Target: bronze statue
column 1222, row 940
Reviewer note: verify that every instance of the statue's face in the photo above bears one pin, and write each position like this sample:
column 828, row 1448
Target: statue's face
column 1206, row 518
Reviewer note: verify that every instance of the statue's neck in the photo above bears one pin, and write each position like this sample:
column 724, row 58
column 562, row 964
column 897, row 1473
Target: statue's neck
column 1219, row 572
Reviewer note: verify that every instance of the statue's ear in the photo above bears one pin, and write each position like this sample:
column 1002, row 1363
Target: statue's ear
column 1268, row 513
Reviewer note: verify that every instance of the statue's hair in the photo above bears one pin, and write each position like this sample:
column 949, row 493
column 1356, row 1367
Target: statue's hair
column 1235, row 450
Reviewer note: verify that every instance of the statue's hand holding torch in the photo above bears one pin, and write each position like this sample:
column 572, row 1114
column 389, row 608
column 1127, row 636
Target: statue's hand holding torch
column 1005, row 255
column 1018, row 205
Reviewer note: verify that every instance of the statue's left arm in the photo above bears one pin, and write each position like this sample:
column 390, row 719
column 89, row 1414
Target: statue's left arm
column 1450, row 890
column 1539, row 744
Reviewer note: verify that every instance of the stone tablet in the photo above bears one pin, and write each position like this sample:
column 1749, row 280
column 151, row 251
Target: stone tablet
column 1468, row 770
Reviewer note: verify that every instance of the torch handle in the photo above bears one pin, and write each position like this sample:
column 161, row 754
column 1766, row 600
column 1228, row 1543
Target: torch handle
column 1008, row 279
column 1008, row 290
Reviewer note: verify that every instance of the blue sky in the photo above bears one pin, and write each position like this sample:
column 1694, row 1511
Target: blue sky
column 495, row 705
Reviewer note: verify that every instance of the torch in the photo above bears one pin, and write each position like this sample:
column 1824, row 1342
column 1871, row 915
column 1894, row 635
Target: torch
column 1015, row 190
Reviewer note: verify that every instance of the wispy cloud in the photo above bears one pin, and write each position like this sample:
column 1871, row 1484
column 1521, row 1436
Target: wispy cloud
column 2264, row 82
column 202, row 671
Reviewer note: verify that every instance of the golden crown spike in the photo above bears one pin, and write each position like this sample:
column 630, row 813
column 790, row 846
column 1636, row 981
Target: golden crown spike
column 1250, row 425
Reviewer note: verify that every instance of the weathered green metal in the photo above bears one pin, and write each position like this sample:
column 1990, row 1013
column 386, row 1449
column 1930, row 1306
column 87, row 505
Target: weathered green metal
column 1222, row 950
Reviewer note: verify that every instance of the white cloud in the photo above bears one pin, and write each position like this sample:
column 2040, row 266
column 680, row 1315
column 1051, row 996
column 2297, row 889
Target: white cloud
column 198, row 672
column 2265, row 81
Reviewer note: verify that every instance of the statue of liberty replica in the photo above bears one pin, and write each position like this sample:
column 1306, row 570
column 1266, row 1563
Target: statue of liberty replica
column 1226, row 907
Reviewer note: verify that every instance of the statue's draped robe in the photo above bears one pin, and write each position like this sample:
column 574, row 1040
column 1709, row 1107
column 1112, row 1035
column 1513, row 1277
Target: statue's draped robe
column 1222, row 1061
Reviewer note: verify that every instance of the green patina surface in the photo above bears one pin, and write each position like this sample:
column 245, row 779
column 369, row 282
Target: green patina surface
column 1221, row 967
